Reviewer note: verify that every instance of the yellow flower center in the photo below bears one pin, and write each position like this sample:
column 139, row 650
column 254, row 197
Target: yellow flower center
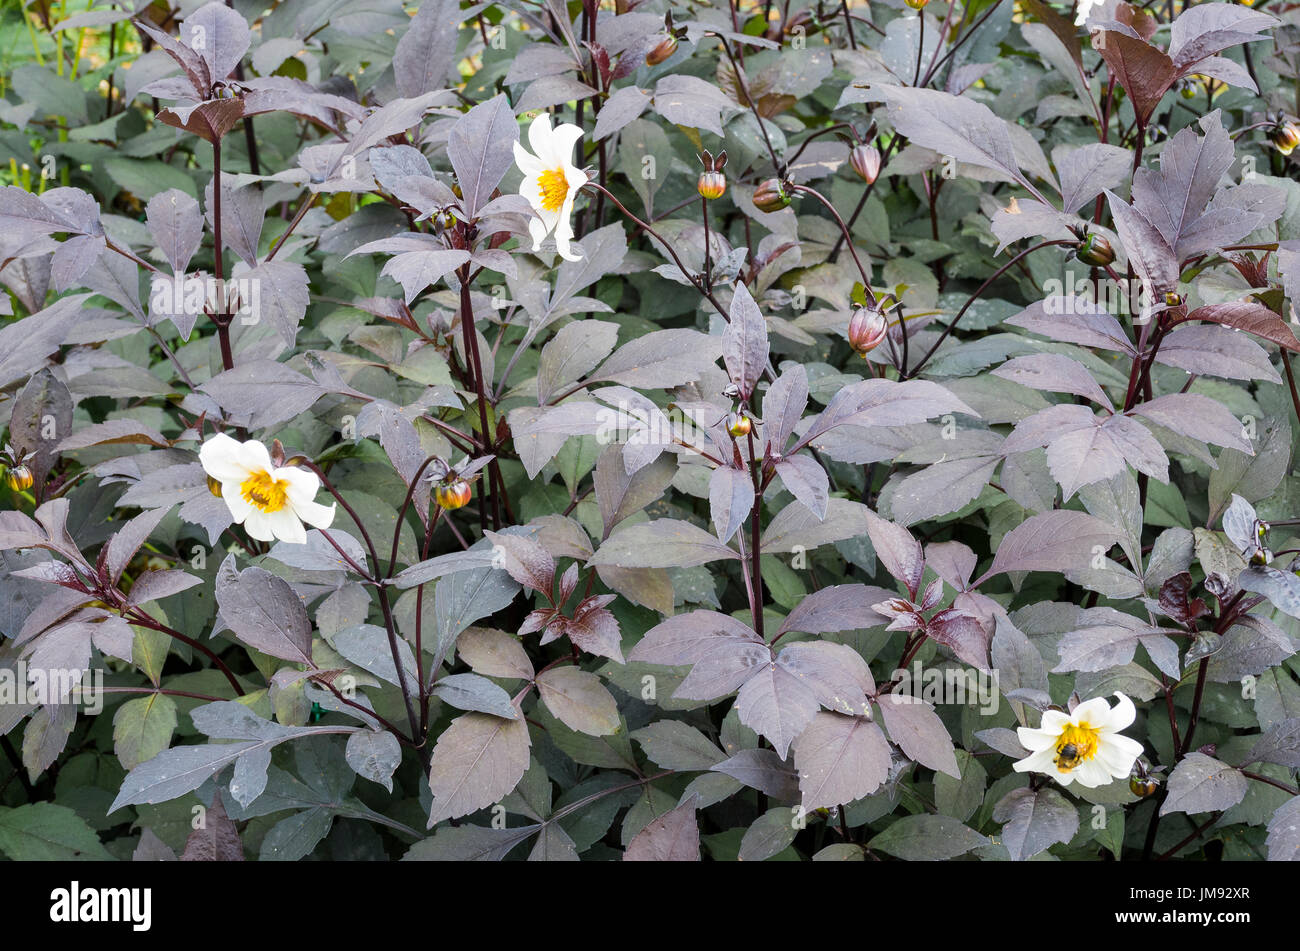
column 264, row 493
column 1077, row 744
column 554, row 186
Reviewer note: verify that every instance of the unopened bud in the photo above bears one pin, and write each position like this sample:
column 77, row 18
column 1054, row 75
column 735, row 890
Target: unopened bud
column 865, row 160
column 711, row 185
column 1095, row 250
column 665, row 49
column 867, row 327
column 771, row 195
column 1285, row 136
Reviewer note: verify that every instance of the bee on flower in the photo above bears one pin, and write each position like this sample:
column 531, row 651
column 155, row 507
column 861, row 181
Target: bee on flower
column 551, row 181
column 1084, row 746
column 271, row 501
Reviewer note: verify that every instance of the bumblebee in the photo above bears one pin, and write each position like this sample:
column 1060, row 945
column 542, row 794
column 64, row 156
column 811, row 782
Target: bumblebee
column 1068, row 757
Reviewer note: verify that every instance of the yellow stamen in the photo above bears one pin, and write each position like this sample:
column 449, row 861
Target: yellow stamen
column 264, row 493
column 554, row 186
column 1077, row 744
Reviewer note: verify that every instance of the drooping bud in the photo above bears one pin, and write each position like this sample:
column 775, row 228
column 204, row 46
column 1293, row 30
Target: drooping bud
column 865, row 160
column 739, row 424
column 662, row 51
column 452, row 495
column 1142, row 786
column 1285, row 136
column 1095, row 250
column 771, row 195
column 867, row 328
column 19, row 478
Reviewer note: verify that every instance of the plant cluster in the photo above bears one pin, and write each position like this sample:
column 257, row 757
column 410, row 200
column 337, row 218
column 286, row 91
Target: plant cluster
column 649, row 431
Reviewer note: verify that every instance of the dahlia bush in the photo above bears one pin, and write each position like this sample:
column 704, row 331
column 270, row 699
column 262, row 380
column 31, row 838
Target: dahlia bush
column 633, row 430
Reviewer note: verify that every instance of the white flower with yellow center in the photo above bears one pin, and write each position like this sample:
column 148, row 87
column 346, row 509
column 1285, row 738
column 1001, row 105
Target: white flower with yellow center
column 551, row 181
column 1085, row 745
column 270, row 502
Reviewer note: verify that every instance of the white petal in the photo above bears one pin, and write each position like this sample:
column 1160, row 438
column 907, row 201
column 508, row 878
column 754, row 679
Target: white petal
column 1092, row 774
column 1054, row 720
column 1123, row 715
column 303, row 484
column 539, row 134
column 537, row 228
column 1035, row 740
column 255, row 456
column 1094, row 712
column 564, row 232
column 235, row 501
column 528, row 163
column 1119, row 753
column 313, row 513
column 1039, row 762
column 258, row 525
column 286, row 526
column 560, row 146
column 221, row 459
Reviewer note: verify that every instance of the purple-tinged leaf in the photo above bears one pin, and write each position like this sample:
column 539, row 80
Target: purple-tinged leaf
column 220, row 37
column 840, row 759
column 672, row 837
column 177, row 225
column 843, row 607
column 1250, row 316
column 662, row 543
column 961, row 633
column 806, row 480
column 1197, row 417
column 914, row 726
column 425, row 54
column 731, row 498
column 898, row 551
column 684, row 638
column 777, row 705
column 1055, row 373
column 1053, row 541
column 264, row 612
column 525, row 560
column 1032, row 820
column 783, row 406
column 744, row 342
column 480, row 148
column 477, row 760
column 1201, row 784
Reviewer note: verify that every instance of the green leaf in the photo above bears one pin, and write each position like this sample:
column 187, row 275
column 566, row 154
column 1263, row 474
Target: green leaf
column 44, row 832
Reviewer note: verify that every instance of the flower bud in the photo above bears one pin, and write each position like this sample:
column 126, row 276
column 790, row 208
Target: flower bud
column 1285, row 136
column 1094, row 250
column 867, row 328
column 18, row 478
column 739, row 424
column 214, row 486
column 916, row 4
column 452, row 495
column 1142, row 786
column 865, row 160
column 771, row 195
column 665, row 48
column 711, row 185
